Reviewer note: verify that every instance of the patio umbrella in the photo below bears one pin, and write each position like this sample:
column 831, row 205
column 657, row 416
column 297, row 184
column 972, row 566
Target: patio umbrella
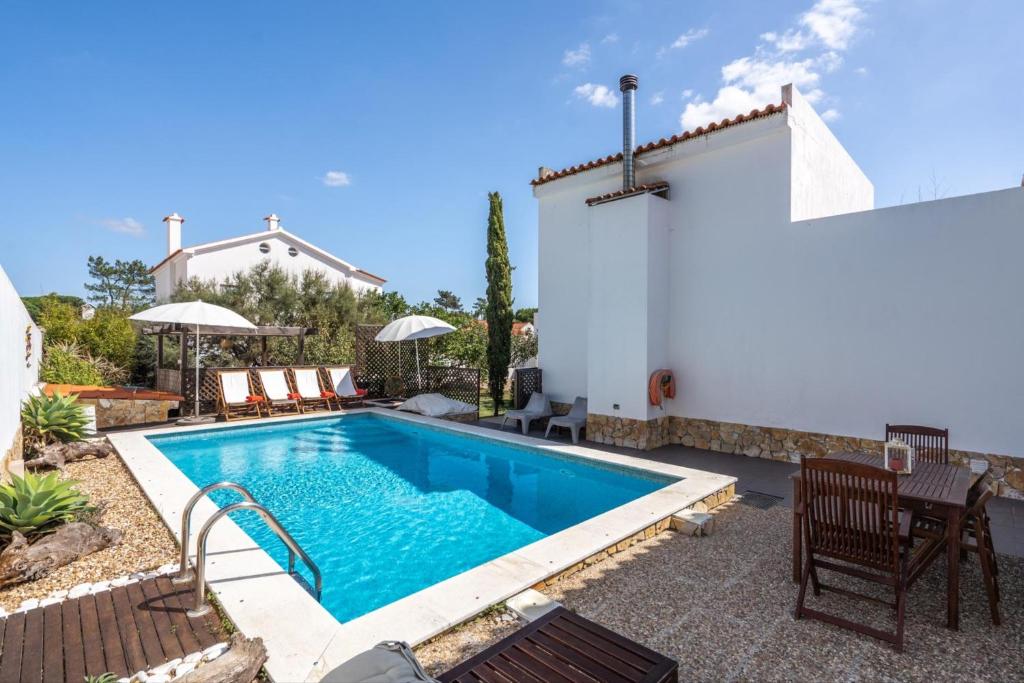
column 198, row 314
column 413, row 328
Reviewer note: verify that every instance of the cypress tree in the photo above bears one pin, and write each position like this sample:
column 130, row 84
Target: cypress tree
column 499, row 303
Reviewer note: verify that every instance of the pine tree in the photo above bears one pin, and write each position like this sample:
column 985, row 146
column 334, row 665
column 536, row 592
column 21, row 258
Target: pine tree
column 499, row 303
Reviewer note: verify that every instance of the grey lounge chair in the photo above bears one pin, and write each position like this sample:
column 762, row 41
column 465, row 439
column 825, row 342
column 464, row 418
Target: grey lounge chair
column 574, row 421
column 538, row 406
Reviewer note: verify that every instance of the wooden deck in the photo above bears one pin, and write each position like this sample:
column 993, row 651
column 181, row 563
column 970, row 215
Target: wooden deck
column 563, row 647
column 123, row 630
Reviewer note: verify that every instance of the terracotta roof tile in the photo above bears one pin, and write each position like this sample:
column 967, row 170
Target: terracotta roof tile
column 649, row 188
column 663, row 142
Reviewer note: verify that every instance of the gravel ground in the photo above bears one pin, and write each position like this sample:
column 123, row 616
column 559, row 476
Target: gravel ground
column 146, row 543
column 722, row 606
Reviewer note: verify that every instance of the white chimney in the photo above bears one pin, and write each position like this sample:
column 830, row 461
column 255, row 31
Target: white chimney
column 273, row 222
column 173, row 222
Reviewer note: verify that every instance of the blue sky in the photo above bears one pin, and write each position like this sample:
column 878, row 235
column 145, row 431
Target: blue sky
column 375, row 130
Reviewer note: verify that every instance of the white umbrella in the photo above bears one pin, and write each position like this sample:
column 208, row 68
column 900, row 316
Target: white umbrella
column 198, row 314
column 414, row 328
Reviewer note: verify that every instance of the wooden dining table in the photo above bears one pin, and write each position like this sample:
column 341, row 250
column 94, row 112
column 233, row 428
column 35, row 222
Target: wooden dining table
column 938, row 490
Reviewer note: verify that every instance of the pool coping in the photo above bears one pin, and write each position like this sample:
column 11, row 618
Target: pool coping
column 304, row 641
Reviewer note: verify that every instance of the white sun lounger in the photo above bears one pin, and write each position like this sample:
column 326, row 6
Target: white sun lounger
column 574, row 421
column 307, row 386
column 275, row 390
column 538, row 406
column 234, row 387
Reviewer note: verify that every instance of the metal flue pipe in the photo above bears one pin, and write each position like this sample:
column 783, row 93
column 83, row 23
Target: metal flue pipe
column 628, row 85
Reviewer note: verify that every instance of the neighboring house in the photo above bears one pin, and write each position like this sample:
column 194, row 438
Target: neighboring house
column 748, row 258
column 518, row 328
column 87, row 311
column 219, row 260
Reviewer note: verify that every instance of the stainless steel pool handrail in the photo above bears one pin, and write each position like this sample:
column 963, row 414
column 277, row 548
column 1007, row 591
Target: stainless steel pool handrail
column 184, row 574
column 200, row 605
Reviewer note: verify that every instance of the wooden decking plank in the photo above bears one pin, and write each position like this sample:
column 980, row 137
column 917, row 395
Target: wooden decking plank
column 74, row 649
column 508, row 670
column 131, row 642
column 162, row 621
column 32, row 652
column 183, row 628
column 485, row 673
column 92, row 640
column 113, row 651
column 147, row 629
column 596, row 646
column 10, row 667
column 53, row 649
column 3, row 628
column 540, row 663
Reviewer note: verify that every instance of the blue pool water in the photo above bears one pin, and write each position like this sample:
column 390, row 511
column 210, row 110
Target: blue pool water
column 386, row 507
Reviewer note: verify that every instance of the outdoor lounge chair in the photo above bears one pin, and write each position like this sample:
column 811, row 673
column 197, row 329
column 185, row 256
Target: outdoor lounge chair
column 307, row 385
column 559, row 646
column 538, row 407
column 235, row 395
column 574, row 421
column 340, row 386
column 279, row 396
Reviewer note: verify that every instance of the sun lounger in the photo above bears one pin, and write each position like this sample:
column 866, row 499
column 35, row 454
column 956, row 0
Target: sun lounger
column 538, row 407
column 341, row 386
column 235, row 395
column 574, row 421
column 279, row 396
column 307, row 385
column 560, row 645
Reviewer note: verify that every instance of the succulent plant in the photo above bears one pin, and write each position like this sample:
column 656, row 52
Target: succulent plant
column 47, row 419
column 102, row 678
column 34, row 504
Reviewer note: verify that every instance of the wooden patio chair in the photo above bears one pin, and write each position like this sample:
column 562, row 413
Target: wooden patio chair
column 852, row 525
column 977, row 538
column 340, row 387
column 279, row 396
column 307, row 385
column 930, row 443
column 235, row 395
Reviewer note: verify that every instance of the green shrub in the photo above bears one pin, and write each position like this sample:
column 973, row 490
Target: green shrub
column 34, row 504
column 109, row 335
column 64, row 363
column 49, row 419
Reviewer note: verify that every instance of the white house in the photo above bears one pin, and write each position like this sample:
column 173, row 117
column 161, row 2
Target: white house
column 218, row 260
column 747, row 258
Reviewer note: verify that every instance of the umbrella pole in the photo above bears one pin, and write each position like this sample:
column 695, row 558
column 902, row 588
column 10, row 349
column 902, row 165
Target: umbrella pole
column 197, row 371
column 419, row 378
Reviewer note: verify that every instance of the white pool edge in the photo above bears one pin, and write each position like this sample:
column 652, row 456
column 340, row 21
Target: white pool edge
column 303, row 640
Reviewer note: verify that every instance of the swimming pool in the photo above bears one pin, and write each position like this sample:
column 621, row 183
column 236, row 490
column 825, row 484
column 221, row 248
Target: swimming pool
column 386, row 507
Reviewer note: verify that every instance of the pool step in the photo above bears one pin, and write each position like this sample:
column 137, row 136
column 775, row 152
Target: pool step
column 530, row 604
column 693, row 523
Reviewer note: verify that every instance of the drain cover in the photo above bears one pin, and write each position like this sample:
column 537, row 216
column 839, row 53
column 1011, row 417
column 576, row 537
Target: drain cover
column 761, row 501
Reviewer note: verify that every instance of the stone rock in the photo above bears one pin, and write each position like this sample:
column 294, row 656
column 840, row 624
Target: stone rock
column 165, row 668
column 192, row 658
column 59, row 594
column 31, row 603
column 50, row 601
column 183, row 668
column 159, row 678
column 211, row 653
column 120, row 581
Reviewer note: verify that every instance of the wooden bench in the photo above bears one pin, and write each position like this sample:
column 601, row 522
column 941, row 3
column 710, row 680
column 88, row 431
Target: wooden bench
column 563, row 647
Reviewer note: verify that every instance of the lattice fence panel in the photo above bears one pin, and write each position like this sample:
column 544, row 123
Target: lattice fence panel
column 208, row 386
column 525, row 381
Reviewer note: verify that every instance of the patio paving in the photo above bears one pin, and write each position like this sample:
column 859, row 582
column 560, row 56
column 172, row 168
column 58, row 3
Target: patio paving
column 722, row 606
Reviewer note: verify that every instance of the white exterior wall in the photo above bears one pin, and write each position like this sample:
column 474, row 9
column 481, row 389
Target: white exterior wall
column 834, row 325
column 19, row 373
column 219, row 262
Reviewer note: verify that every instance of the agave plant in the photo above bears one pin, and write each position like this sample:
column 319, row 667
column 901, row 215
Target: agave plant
column 34, row 504
column 102, row 678
column 47, row 419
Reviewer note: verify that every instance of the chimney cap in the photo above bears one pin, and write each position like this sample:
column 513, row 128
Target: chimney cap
column 273, row 222
column 628, row 82
column 173, row 217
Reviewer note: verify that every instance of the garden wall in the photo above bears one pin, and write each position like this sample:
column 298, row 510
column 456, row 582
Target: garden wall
column 20, row 351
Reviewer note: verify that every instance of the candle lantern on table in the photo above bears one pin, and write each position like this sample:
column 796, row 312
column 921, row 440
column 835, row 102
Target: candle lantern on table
column 899, row 456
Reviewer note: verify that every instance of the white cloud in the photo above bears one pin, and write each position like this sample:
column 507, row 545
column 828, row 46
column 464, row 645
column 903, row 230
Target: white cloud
column 126, row 225
column 578, row 57
column 657, row 98
column 336, row 179
column 687, row 94
column 830, row 115
column 822, row 33
column 690, row 36
column 597, row 95
column 610, row 38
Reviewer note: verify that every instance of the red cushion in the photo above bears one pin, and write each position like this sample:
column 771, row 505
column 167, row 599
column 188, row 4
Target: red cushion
column 254, row 399
column 327, row 394
column 360, row 392
column 295, row 396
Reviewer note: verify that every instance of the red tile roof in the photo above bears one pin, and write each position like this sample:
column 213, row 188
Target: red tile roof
column 649, row 188
column 663, row 142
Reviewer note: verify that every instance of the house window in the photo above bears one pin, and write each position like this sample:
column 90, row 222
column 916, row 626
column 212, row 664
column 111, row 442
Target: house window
column 264, row 247
column 292, row 251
